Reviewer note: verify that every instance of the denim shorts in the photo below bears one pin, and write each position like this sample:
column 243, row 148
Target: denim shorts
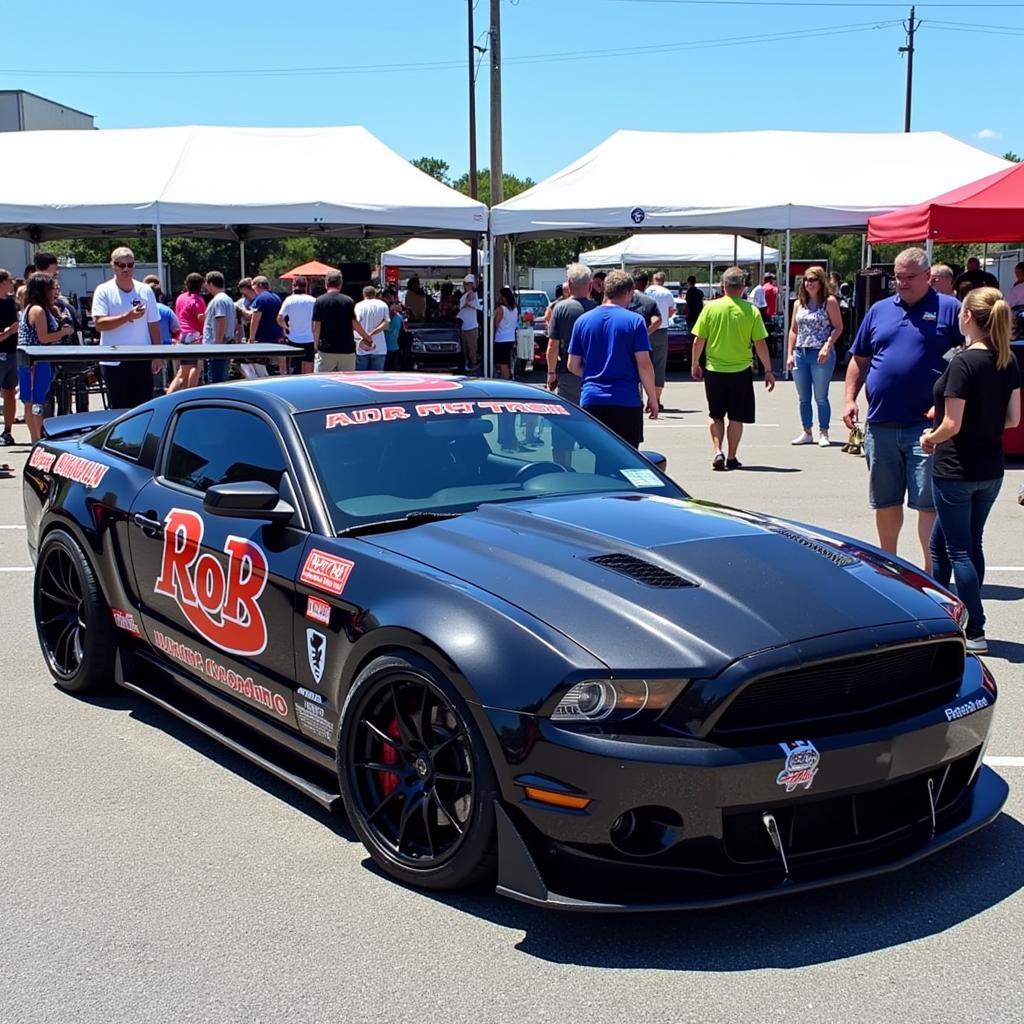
column 898, row 466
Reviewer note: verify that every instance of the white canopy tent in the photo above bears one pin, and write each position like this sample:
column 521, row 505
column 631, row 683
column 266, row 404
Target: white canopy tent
column 741, row 182
column 655, row 250
column 222, row 182
column 430, row 257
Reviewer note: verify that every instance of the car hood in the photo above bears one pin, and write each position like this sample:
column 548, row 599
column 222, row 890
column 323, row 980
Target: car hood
column 742, row 583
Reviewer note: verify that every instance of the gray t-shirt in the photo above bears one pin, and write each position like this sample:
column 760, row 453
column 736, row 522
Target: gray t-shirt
column 643, row 304
column 563, row 316
column 219, row 306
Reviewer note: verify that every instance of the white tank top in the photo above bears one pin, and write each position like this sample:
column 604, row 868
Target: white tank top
column 507, row 327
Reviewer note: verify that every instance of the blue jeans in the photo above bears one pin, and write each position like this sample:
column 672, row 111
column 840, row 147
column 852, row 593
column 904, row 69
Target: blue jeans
column 217, row 371
column 962, row 506
column 370, row 362
column 810, row 375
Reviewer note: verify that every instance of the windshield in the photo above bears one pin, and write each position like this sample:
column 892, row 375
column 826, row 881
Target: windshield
column 383, row 462
column 533, row 302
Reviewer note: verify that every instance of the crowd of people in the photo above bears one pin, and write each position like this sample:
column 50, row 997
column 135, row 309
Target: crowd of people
column 935, row 359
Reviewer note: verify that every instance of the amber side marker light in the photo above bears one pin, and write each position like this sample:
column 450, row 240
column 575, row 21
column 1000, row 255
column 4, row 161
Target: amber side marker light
column 547, row 796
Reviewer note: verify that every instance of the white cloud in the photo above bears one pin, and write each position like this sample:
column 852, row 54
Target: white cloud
column 988, row 133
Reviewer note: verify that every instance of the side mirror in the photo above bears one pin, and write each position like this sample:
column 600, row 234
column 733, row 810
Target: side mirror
column 248, row 499
column 657, row 460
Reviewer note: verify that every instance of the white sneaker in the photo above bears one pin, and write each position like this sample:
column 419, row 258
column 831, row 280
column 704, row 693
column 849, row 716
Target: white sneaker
column 803, row 439
column 977, row 645
column 824, row 442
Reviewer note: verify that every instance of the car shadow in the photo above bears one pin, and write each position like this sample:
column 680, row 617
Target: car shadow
column 789, row 932
column 1001, row 592
column 1008, row 650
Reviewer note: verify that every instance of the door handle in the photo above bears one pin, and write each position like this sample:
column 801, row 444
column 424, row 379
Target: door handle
column 150, row 527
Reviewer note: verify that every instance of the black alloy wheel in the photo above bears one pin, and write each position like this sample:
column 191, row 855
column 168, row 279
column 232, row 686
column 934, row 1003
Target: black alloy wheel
column 72, row 619
column 417, row 782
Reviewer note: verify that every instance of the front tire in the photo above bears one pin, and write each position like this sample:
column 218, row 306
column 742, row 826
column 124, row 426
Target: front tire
column 418, row 784
column 73, row 622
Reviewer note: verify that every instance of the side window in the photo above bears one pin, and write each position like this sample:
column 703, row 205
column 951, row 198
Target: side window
column 126, row 438
column 221, row 445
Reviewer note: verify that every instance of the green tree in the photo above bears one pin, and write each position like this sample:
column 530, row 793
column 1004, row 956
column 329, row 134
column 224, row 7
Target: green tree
column 433, row 166
column 1012, row 157
column 512, row 185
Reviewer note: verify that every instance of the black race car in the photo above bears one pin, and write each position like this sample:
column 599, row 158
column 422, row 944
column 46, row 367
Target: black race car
column 533, row 662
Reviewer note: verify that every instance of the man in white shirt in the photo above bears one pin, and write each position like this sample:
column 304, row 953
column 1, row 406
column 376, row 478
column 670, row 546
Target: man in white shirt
column 469, row 307
column 296, row 317
column 666, row 304
column 125, row 313
column 1015, row 296
column 373, row 316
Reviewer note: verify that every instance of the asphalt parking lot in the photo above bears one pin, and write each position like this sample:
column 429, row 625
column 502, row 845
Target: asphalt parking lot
column 150, row 875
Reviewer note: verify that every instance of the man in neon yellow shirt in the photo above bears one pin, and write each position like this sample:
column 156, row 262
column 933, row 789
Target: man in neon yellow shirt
column 729, row 327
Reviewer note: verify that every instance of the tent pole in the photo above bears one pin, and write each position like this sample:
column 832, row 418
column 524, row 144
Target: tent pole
column 863, row 247
column 870, row 257
column 487, row 362
column 159, row 249
column 760, row 278
column 785, row 322
column 241, row 257
column 984, row 258
column 928, row 248
column 735, row 249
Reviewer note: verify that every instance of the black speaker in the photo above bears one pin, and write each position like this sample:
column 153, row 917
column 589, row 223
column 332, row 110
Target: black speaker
column 870, row 286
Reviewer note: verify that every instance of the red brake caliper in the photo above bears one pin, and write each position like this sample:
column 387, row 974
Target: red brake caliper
column 388, row 780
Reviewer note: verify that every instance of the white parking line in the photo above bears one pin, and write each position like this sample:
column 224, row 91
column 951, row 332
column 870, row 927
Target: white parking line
column 1005, row 762
column 1004, row 568
column 12, row 527
column 17, row 568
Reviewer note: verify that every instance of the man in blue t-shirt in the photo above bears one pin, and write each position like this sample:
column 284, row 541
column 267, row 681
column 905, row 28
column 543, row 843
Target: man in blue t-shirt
column 263, row 326
column 899, row 353
column 610, row 349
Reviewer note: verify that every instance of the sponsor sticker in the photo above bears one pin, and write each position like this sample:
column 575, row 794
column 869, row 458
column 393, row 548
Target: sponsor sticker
column 126, row 621
column 967, row 708
column 240, row 684
column 396, row 382
column 309, row 695
column 42, row 459
column 222, row 606
column 928, row 317
column 318, row 610
column 313, row 720
column 642, row 477
column 802, row 759
column 326, row 572
column 82, row 471
column 316, row 652
column 637, row 215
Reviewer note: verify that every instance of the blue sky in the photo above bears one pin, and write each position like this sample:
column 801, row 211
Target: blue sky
column 574, row 70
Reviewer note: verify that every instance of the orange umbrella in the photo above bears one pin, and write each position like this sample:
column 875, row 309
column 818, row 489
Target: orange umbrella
column 314, row 269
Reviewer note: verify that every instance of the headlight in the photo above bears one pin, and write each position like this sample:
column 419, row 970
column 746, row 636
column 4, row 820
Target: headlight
column 417, row 346
column 616, row 700
column 952, row 606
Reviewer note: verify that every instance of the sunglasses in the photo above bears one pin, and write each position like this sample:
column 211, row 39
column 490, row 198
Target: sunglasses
column 124, row 266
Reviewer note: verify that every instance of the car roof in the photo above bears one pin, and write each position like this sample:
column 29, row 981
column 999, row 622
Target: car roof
column 313, row 391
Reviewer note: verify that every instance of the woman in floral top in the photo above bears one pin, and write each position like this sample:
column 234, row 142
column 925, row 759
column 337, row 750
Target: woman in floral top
column 811, row 356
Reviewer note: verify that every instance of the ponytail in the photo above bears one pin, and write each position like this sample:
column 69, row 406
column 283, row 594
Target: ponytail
column 1000, row 327
column 992, row 314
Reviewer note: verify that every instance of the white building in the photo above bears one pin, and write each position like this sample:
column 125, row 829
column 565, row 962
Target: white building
column 22, row 111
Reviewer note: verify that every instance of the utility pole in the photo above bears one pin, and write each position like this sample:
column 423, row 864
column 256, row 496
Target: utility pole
column 474, row 247
column 497, row 175
column 911, row 26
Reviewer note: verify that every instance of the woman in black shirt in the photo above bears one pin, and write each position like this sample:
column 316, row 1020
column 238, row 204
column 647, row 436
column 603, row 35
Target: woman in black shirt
column 976, row 399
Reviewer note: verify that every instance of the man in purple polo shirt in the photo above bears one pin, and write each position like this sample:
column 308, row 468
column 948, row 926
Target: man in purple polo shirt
column 899, row 353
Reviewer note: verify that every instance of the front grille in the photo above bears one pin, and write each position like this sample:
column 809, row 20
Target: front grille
column 648, row 573
column 838, row 825
column 441, row 346
column 867, row 691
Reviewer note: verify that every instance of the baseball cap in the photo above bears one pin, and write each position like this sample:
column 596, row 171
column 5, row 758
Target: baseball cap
column 469, row 279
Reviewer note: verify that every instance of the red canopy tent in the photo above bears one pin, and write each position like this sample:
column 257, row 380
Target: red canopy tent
column 314, row 269
column 989, row 210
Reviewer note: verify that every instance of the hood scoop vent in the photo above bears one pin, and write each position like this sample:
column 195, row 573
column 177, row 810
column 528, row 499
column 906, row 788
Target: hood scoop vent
column 637, row 569
column 836, row 557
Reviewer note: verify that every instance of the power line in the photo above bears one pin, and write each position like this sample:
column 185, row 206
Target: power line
column 536, row 58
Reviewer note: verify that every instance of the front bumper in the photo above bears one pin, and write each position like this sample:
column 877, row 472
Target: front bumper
column 876, row 801
column 519, row 877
